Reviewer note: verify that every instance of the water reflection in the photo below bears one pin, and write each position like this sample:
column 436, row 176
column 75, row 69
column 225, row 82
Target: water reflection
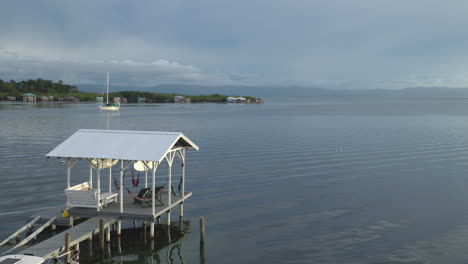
column 136, row 246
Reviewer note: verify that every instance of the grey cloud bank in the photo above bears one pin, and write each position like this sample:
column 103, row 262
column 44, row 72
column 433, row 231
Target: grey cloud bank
column 332, row 44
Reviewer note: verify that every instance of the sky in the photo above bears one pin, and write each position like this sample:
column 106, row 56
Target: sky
column 352, row 44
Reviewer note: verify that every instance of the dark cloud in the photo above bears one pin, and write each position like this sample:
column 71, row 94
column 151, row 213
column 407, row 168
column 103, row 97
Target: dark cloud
column 359, row 43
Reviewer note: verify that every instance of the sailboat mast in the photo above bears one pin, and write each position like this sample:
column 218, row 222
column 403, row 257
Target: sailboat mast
column 107, row 90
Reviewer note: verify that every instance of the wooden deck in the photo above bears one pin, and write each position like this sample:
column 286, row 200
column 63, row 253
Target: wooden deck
column 45, row 215
column 131, row 211
column 53, row 246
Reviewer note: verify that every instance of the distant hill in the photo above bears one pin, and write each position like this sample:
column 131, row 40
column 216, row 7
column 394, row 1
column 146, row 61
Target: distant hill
column 290, row 91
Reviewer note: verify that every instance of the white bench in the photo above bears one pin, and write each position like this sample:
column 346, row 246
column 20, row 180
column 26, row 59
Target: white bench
column 81, row 195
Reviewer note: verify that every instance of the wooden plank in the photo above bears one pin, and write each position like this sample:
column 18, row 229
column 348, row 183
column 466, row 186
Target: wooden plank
column 21, row 230
column 131, row 211
column 53, row 246
column 33, row 235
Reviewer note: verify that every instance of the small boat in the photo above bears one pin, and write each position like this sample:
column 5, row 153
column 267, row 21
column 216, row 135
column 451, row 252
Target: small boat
column 108, row 106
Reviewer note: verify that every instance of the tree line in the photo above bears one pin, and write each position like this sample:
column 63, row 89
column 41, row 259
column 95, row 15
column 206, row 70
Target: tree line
column 41, row 87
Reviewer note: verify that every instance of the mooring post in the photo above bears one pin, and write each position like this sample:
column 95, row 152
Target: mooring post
column 119, row 228
column 108, row 235
column 135, row 225
column 152, row 230
column 77, row 249
column 169, row 217
column 202, row 231
column 90, row 246
column 169, row 238
column 70, row 221
column 119, row 245
column 67, row 247
column 202, row 241
column 54, row 227
column 101, row 234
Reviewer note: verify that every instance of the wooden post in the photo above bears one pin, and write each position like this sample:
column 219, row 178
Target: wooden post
column 135, row 225
column 158, row 220
column 169, row 213
column 110, row 179
column 153, row 190
column 101, row 234
column 202, row 231
column 202, row 241
column 169, row 238
column 90, row 246
column 77, row 249
column 108, row 234
column 121, row 186
column 119, row 245
column 169, row 188
column 67, row 247
column 152, row 230
column 119, row 228
column 70, row 221
column 98, row 176
column 91, row 175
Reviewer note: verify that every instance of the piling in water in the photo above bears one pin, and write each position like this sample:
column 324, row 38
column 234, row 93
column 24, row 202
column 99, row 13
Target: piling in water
column 67, row 247
column 101, row 234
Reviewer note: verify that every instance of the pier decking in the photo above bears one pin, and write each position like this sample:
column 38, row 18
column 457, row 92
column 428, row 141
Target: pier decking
column 51, row 247
column 132, row 211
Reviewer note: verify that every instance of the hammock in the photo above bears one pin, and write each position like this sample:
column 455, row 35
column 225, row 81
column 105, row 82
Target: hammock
column 179, row 188
column 144, row 196
column 135, row 182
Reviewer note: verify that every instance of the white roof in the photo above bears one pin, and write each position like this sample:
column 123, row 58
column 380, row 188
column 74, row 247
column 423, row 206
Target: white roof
column 121, row 144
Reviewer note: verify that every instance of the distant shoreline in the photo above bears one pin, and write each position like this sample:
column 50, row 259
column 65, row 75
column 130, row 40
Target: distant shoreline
column 47, row 91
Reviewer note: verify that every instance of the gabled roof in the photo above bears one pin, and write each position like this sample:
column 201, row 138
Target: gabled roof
column 121, row 144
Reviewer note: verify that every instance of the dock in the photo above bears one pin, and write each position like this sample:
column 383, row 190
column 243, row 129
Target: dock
column 116, row 200
column 132, row 211
column 51, row 247
column 55, row 211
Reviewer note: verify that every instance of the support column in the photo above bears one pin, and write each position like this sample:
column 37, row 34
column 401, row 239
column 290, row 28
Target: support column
column 153, row 189
column 99, row 185
column 152, row 230
column 68, row 173
column 101, row 234
column 183, row 175
column 110, row 179
column 121, row 186
column 108, row 234
column 91, row 176
column 119, row 228
column 67, row 247
column 169, row 196
column 183, row 186
column 146, row 178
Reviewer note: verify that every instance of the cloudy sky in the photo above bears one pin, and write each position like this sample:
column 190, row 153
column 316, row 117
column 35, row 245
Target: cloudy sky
column 326, row 43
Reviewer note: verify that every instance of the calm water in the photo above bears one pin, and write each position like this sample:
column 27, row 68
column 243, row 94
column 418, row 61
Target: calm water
column 282, row 182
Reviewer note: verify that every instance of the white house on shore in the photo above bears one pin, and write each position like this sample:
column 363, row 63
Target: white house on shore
column 231, row 99
column 29, row 97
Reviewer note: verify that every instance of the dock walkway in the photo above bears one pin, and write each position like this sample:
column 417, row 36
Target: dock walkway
column 53, row 246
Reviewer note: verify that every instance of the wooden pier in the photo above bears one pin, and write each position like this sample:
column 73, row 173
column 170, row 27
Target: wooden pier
column 112, row 203
column 51, row 247
column 132, row 211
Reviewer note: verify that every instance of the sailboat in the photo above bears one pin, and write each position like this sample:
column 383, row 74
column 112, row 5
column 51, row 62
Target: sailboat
column 108, row 106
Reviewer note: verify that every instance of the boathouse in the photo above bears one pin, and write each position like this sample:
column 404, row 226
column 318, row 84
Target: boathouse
column 121, row 150
column 29, row 97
